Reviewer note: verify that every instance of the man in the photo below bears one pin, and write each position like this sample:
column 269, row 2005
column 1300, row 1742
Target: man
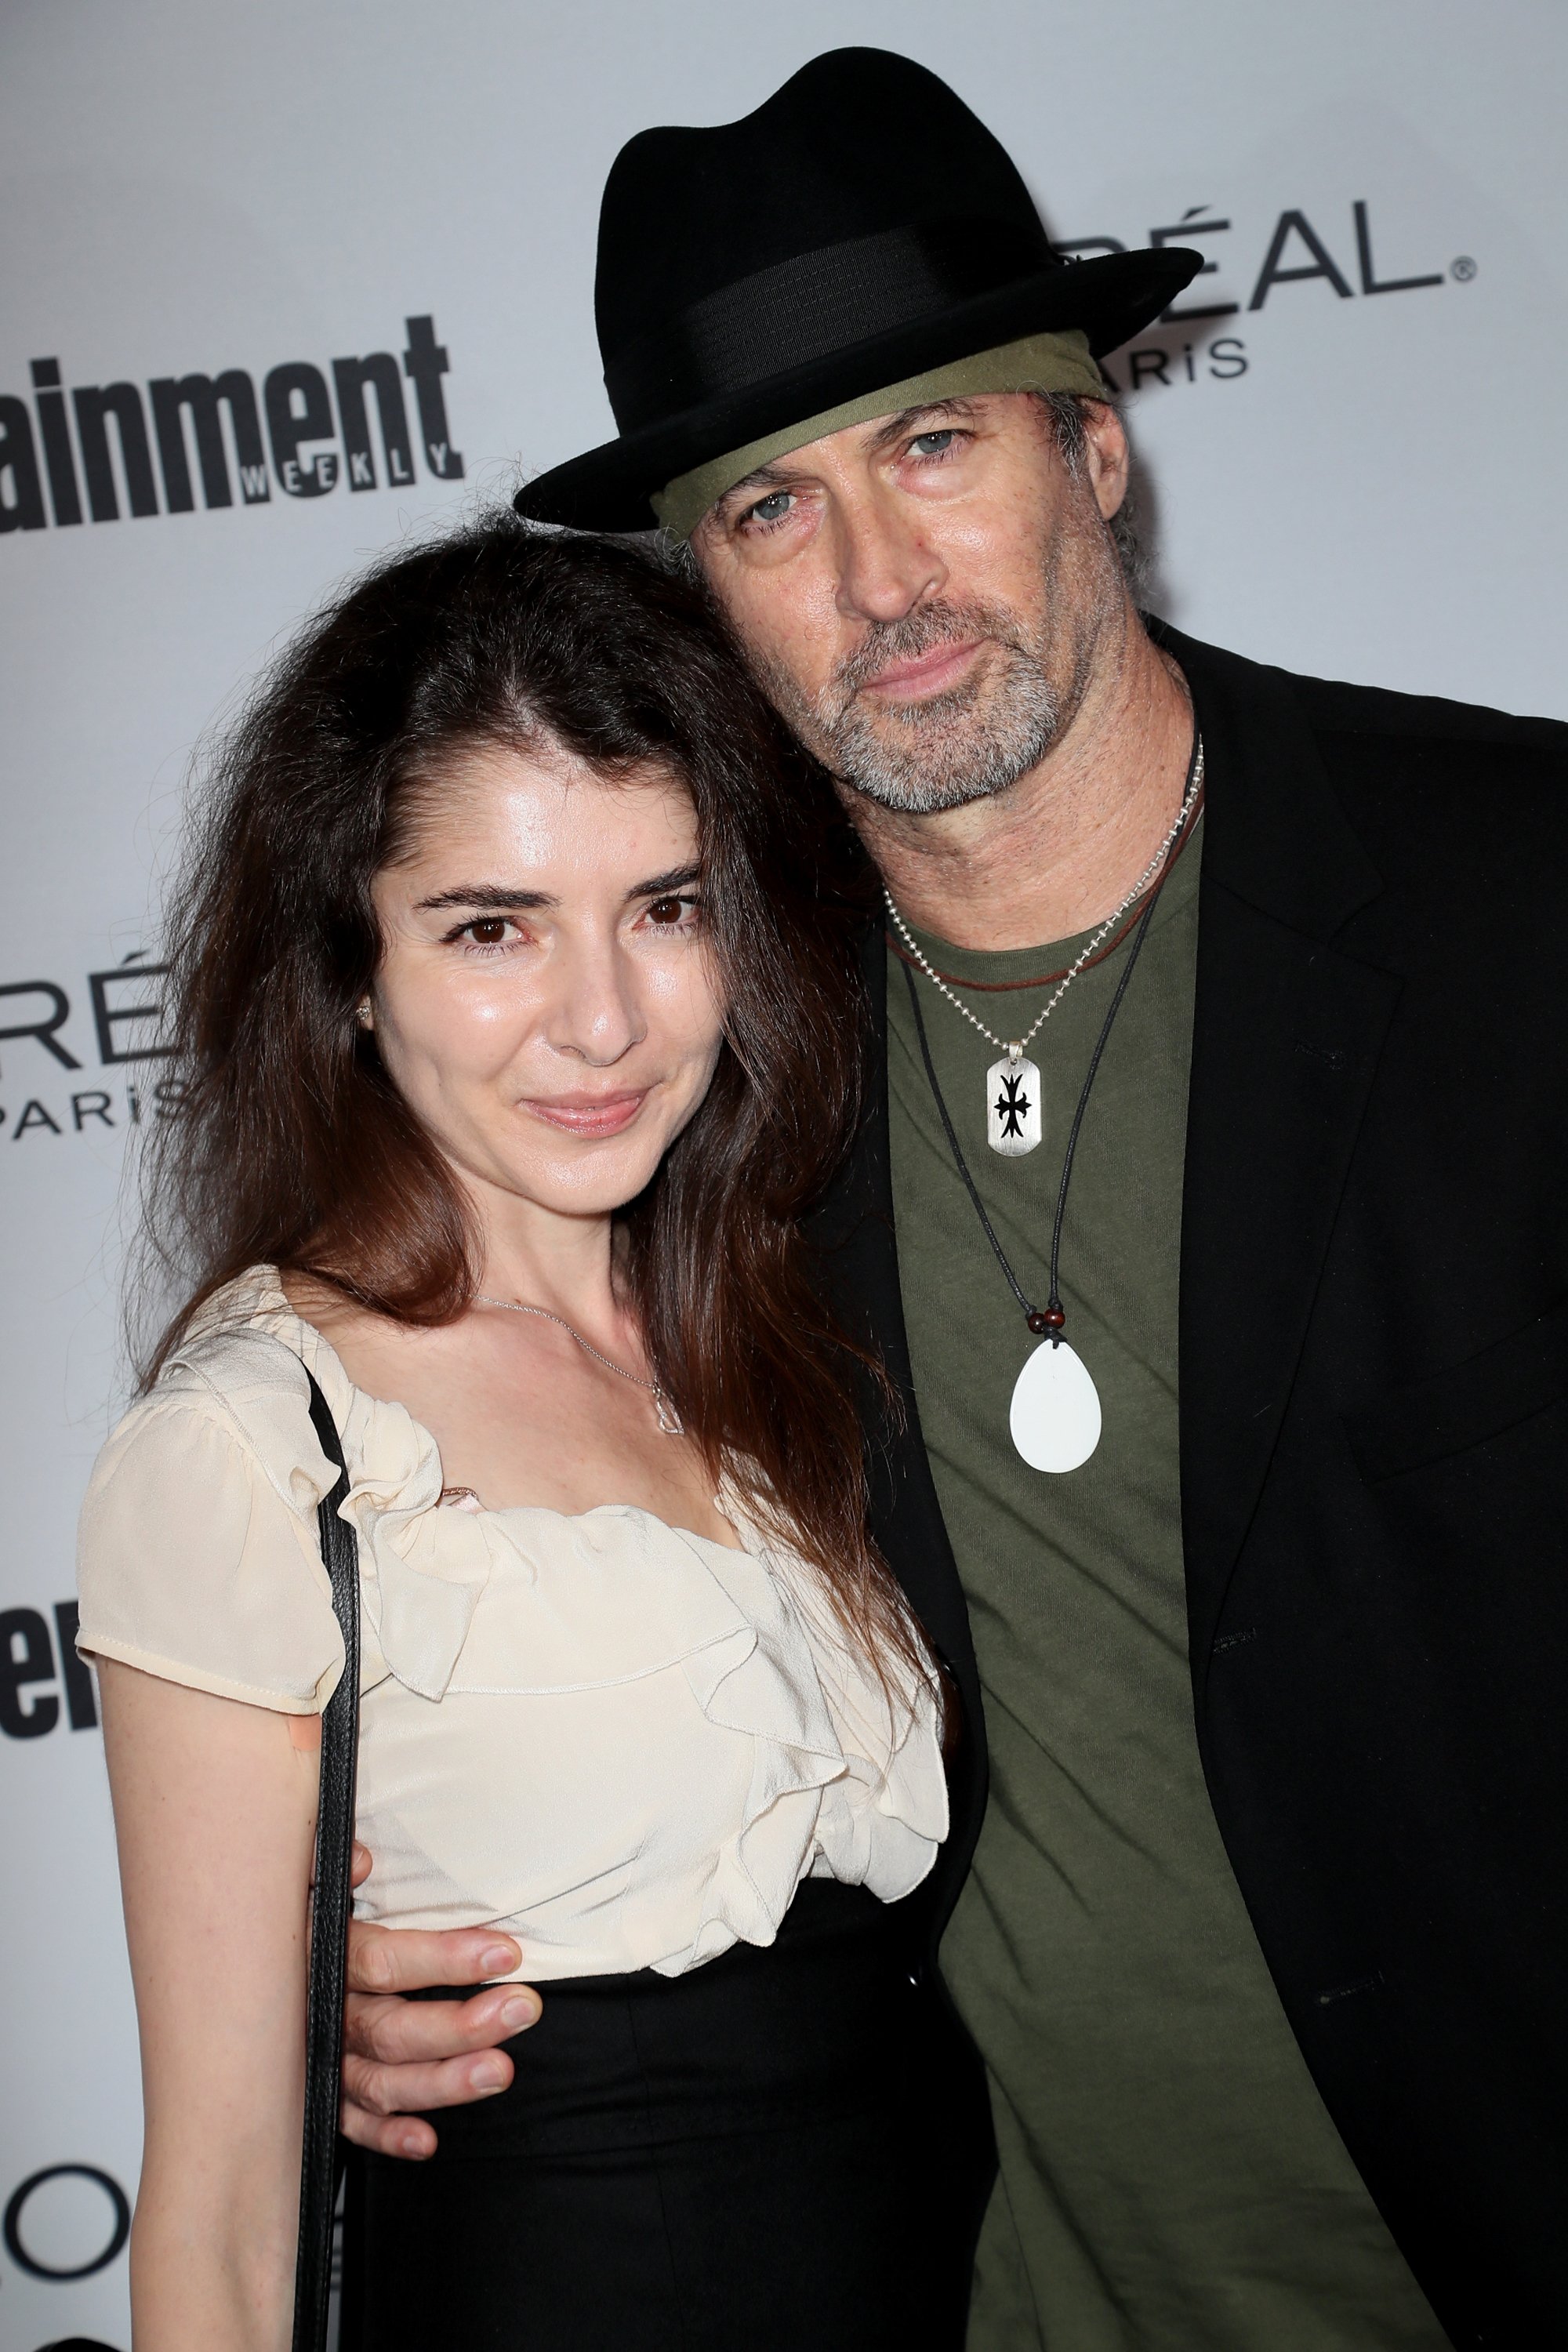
column 1260, row 1937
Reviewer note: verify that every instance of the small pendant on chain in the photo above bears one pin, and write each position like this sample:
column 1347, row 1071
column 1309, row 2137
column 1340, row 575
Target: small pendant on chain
column 1013, row 1105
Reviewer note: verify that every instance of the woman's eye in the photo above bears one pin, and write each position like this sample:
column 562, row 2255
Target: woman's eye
column 489, row 933
column 666, row 914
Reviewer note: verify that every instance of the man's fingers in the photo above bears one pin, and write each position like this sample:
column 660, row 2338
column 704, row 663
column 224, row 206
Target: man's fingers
column 400, row 2056
column 403, row 2136
column 407, row 1959
column 396, row 2032
column 361, row 1864
column 404, row 2091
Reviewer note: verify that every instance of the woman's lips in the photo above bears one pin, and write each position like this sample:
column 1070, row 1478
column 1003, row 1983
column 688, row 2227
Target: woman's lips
column 589, row 1114
column 932, row 673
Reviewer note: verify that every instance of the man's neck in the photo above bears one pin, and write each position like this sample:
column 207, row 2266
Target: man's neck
column 1056, row 853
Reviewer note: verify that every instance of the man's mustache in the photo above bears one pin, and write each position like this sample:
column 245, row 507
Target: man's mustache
column 917, row 633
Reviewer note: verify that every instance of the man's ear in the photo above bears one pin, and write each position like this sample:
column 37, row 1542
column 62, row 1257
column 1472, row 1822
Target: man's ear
column 1106, row 455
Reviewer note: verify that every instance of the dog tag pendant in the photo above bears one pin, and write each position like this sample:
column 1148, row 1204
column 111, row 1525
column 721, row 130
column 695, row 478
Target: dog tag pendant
column 1054, row 1419
column 1013, row 1105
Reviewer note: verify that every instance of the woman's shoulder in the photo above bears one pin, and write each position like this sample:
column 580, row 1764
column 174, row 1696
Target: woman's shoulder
column 198, row 1554
column 235, row 1387
column 236, row 1375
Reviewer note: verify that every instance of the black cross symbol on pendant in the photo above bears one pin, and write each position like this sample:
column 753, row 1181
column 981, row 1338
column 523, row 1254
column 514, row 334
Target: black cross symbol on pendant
column 1012, row 1106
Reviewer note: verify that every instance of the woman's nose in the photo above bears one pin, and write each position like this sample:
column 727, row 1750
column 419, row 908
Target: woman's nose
column 598, row 1015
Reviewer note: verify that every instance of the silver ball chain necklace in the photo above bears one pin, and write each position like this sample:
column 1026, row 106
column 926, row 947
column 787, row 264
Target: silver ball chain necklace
column 1055, row 1418
column 1013, row 1084
column 669, row 1421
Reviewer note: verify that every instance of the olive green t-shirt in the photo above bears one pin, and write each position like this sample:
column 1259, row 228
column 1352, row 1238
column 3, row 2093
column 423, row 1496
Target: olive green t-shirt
column 1169, row 2178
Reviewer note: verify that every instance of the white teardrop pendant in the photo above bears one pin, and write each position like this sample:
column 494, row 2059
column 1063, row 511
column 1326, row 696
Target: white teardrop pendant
column 1055, row 1418
column 1012, row 1106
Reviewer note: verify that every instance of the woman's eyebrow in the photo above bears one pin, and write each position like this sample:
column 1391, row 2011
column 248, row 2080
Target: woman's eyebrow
column 495, row 898
column 660, row 885
column 493, row 895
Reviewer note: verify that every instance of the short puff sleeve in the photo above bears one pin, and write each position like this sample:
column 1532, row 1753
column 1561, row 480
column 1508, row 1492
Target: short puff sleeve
column 197, row 1561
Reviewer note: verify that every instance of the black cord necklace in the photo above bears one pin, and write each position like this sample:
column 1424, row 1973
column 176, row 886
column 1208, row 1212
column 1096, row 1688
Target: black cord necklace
column 1056, row 1415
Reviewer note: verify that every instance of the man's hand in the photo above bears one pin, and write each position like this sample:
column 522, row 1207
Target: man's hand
column 405, row 2055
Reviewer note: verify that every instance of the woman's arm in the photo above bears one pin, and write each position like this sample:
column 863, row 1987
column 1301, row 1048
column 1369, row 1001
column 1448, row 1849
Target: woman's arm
column 218, row 1927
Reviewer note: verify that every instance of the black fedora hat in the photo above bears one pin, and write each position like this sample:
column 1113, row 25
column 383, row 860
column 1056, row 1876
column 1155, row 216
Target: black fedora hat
column 861, row 226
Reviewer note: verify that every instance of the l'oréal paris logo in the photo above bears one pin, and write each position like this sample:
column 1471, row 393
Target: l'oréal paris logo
column 100, row 451
column 1342, row 255
column 43, row 1031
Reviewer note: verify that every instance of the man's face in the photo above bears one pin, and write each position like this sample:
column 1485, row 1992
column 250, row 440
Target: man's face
column 922, row 597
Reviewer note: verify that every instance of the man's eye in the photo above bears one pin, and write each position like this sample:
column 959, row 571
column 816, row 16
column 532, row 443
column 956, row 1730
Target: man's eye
column 935, row 445
column 773, row 509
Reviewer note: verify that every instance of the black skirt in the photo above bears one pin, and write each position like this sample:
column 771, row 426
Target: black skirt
column 786, row 2150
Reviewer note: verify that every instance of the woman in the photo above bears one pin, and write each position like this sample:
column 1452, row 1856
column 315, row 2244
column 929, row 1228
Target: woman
column 518, row 1031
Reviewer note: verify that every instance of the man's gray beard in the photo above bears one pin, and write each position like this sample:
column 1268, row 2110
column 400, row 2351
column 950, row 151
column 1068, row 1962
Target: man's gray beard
column 920, row 757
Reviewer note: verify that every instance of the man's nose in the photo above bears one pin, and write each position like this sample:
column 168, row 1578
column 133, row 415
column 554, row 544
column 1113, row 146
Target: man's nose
column 884, row 566
column 598, row 1016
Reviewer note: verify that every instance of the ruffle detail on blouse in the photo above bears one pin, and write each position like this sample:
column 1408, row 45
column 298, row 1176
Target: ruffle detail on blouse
column 421, row 1568
column 882, row 1824
column 613, row 1595
column 762, row 1682
column 584, row 1601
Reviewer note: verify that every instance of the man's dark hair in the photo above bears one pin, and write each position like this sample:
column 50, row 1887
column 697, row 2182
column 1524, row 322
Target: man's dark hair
column 1066, row 413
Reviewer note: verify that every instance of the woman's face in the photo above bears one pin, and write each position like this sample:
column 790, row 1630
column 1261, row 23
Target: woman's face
column 545, row 1001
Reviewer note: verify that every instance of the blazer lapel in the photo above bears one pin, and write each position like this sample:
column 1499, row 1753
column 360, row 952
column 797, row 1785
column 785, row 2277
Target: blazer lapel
column 1287, row 1035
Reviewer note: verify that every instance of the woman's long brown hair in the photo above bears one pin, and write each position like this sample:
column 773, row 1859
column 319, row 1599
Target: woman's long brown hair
column 293, row 1146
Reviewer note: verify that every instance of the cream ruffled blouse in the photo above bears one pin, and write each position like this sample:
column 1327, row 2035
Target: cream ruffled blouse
column 624, row 1744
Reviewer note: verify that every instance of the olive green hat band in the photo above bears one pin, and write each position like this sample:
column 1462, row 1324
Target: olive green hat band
column 1060, row 363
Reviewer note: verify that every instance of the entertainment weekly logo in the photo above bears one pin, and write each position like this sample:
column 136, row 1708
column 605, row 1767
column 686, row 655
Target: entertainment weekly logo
column 91, row 454
column 44, row 1686
column 1342, row 253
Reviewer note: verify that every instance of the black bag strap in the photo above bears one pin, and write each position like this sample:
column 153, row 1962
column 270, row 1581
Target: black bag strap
column 331, row 1911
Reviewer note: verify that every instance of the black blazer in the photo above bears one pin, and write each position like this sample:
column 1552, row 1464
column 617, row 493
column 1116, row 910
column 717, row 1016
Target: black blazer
column 1374, row 1438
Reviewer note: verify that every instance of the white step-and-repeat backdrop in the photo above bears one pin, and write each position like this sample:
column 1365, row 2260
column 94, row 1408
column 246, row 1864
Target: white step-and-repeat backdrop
column 285, row 282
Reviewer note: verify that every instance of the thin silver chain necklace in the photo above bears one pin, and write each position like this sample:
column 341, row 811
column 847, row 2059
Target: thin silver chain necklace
column 1055, row 1415
column 1013, row 1084
column 669, row 1421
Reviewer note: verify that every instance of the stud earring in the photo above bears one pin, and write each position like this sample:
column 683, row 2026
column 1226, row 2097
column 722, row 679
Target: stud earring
column 364, row 1012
